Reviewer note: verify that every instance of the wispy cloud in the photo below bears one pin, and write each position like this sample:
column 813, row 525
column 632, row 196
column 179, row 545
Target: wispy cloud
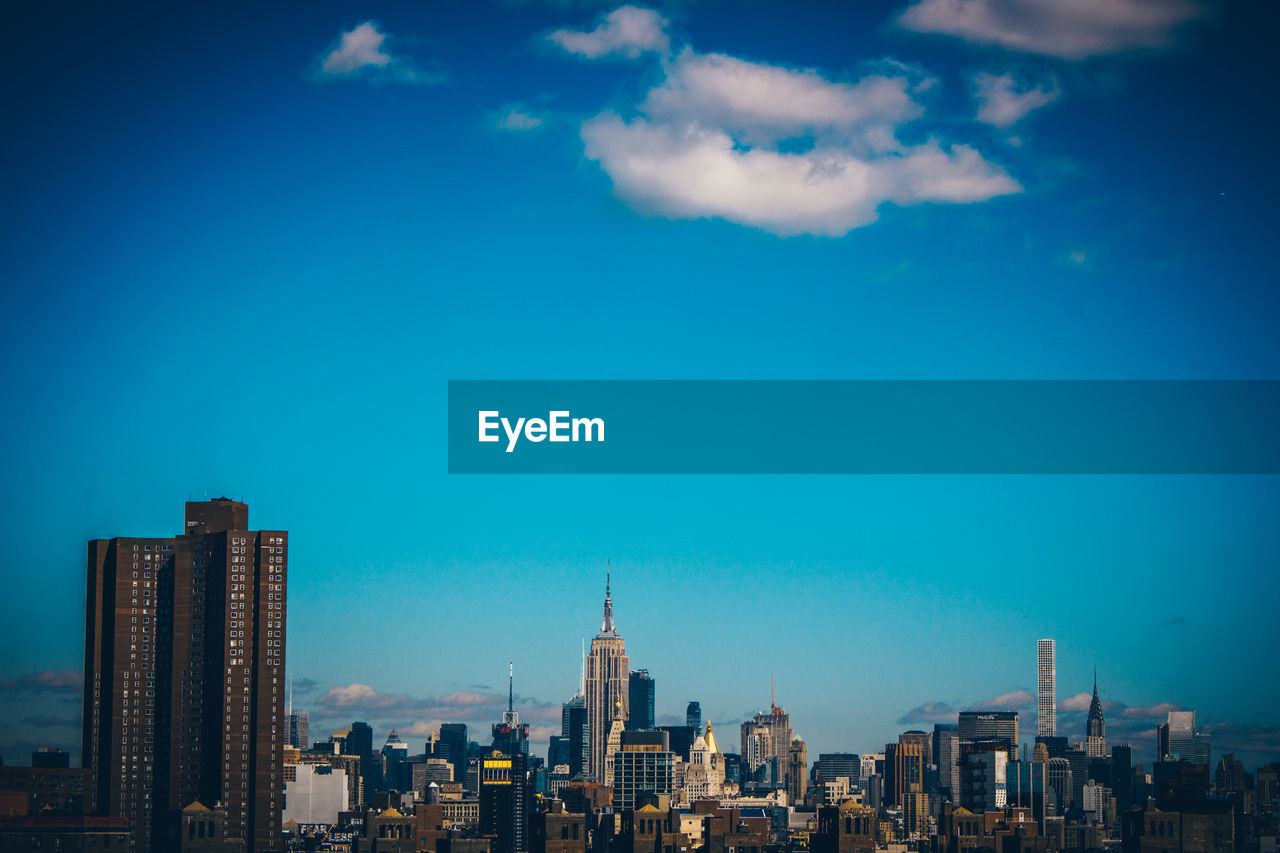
column 1003, row 101
column 517, row 119
column 50, row 680
column 928, row 713
column 1016, row 700
column 362, row 53
column 46, row 721
column 304, row 686
column 1066, row 29
column 627, row 32
column 422, row 715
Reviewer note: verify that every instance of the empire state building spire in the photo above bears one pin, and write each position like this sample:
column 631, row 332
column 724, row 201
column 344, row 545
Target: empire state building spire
column 606, row 685
column 607, row 626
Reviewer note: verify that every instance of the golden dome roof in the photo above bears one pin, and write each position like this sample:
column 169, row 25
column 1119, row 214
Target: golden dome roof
column 711, row 740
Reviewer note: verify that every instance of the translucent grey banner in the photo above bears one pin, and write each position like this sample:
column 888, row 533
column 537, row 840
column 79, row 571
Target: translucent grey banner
column 864, row 427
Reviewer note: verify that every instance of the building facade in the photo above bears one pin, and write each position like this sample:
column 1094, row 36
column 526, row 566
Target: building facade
column 607, row 680
column 184, row 675
column 640, row 700
column 1046, row 689
column 1095, row 744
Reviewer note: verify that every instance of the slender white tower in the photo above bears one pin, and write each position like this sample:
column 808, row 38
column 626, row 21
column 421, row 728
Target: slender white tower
column 1047, row 689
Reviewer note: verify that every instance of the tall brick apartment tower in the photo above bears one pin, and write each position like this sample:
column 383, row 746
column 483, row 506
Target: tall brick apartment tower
column 184, row 676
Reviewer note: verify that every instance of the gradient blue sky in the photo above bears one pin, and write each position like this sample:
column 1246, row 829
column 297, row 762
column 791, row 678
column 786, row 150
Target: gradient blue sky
column 237, row 263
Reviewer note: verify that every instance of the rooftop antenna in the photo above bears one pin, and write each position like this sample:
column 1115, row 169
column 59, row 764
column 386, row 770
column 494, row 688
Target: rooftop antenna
column 772, row 704
column 511, row 718
column 582, row 670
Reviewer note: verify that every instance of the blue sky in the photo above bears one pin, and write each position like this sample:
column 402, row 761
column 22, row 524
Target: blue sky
column 244, row 249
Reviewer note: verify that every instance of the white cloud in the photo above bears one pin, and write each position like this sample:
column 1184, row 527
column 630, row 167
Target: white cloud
column 1067, row 29
column 708, row 143
column 1003, row 102
column 628, row 31
column 358, row 48
column 1078, row 702
column 767, row 103
column 360, row 52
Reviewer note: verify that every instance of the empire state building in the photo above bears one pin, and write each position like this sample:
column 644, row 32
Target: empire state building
column 608, row 671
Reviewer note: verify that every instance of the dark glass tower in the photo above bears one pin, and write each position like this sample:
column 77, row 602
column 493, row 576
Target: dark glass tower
column 693, row 717
column 573, row 728
column 452, row 746
column 360, row 743
column 641, row 688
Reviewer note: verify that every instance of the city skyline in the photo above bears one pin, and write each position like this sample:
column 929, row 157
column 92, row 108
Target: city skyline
column 922, row 718
column 338, row 210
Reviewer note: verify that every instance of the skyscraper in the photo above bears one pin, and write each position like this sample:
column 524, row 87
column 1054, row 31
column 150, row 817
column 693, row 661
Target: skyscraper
column 297, row 725
column 359, row 742
column 946, row 754
column 797, row 774
column 1095, row 745
column 640, row 693
column 183, row 675
column 693, row 717
column 990, row 725
column 767, row 738
column 573, row 729
column 1185, row 743
column 504, row 801
column 607, row 681
column 1046, row 689
column 643, row 763
column 511, row 736
column 452, row 746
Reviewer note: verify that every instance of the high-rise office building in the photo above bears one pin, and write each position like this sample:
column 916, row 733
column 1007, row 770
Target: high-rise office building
column 797, row 775
column 607, row 680
column 923, row 740
column 451, row 745
column 640, row 695
column 1046, row 689
column 511, row 736
column 766, row 738
column 983, row 778
column 831, row 766
column 990, row 725
column 184, row 676
column 394, row 764
column 946, row 755
column 1095, row 745
column 904, row 764
column 297, row 725
column 693, row 717
column 1185, row 743
column 359, row 742
column 573, row 730
column 644, row 763
column 504, row 801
